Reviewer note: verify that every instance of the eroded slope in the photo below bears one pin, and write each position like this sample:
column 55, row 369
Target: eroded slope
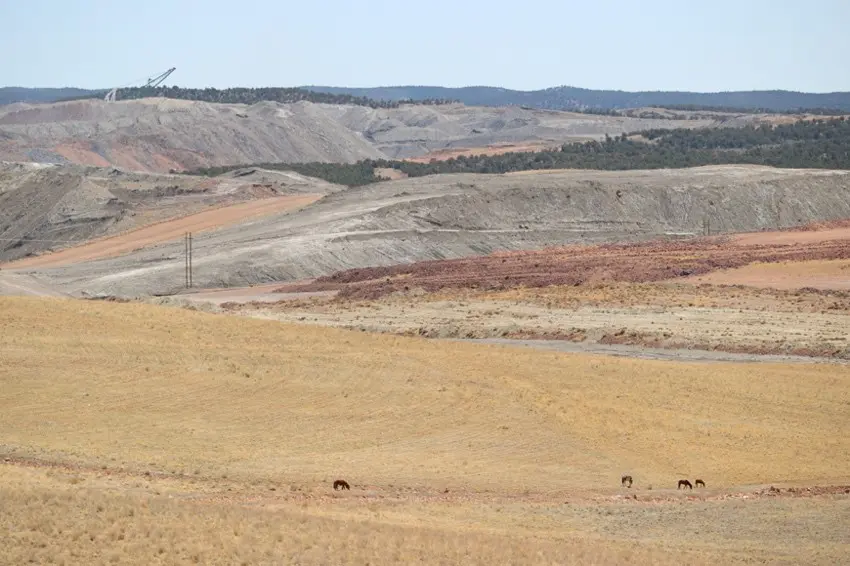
column 49, row 207
column 163, row 134
column 452, row 216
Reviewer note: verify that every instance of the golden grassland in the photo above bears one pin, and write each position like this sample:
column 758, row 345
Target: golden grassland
column 222, row 405
column 117, row 383
column 72, row 517
column 59, row 520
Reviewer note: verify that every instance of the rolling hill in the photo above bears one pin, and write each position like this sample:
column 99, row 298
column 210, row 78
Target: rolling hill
column 554, row 98
column 11, row 94
column 571, row 98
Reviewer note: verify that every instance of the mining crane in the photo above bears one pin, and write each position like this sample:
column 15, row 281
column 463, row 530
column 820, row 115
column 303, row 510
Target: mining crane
column 154, row 82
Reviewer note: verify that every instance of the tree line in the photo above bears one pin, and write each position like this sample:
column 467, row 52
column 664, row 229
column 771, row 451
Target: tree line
column 572, row 98
column 271, row 94
column 821, row 144
column 754, row 110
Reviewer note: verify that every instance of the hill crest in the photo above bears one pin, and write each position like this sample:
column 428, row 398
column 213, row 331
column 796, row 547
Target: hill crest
column 572, row 98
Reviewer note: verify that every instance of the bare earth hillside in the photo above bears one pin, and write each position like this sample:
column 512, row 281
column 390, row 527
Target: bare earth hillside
column 49, row 207
column 763, row 296
column 159, row 135
column 452, row 216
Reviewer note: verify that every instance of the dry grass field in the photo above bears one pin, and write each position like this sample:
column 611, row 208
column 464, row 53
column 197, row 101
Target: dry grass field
column 136, row 433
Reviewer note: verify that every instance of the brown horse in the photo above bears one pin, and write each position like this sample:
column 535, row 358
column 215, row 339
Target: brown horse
column 699, row 483
column 685, row 483
column 626, row 479
column 341, row 484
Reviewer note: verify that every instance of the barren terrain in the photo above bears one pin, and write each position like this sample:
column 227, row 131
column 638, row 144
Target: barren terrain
column 159, row 135
column 824, row 274
column 622, row 318
column 707, row 259
column 124, row 418
column 48, row 207
column 166, row 231
column 455, row 216
column 659, row 295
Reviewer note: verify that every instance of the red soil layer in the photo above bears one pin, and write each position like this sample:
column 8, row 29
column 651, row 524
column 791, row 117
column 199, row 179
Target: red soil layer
column 578, row 265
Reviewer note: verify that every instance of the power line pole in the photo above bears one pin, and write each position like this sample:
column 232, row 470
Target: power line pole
column 190, row 260
column 187, row 247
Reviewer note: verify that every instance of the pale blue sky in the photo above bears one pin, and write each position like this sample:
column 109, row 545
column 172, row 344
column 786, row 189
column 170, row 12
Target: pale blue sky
column 701, row 45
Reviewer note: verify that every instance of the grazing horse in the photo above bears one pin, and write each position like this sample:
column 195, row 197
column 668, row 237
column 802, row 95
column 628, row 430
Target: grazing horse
column 341, row 484
column 626, row 479
column 699, row 483
column 685, row 483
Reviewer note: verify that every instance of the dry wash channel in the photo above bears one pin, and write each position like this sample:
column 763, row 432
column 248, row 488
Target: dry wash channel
column 229, row 432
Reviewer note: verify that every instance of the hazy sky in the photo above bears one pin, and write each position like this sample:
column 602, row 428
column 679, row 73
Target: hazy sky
column 702, row 45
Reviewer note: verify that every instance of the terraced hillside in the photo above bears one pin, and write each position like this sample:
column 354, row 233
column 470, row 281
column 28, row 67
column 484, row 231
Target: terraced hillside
column 49, row 207
column 452, row 216
column 761, row 296
column 158, row 135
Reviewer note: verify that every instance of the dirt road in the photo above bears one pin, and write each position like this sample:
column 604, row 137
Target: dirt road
column 640, row 352
column 256, row 293
column 166, row 231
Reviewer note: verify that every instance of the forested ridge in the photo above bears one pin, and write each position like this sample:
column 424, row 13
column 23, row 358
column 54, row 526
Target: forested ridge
column 252, row 96
column 823, row 143
column 555, row 98
column 574, row 98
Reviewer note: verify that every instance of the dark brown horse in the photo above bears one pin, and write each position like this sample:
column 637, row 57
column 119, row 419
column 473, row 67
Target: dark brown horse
column 626, row 479
column 685, row 483
column 341, row 484
column 699, row 483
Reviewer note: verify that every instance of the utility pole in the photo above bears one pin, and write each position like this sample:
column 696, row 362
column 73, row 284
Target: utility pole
column 187, row 246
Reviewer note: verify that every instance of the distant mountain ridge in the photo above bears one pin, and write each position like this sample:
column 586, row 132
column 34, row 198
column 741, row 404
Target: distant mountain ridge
column 11, row 94
column 555, row 98
column 574, row 98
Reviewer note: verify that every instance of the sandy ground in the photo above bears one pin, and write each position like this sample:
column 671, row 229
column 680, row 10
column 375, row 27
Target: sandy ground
column 785, row 275
column 791, row 237
column 166, row 231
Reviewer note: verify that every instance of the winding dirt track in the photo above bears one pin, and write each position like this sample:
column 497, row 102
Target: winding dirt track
column 165, row 231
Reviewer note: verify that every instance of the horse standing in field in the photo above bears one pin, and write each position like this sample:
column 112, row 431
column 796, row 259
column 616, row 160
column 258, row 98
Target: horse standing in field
column 626, row 479
column 341, row 484
column 699, row 483
column 685, row 483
